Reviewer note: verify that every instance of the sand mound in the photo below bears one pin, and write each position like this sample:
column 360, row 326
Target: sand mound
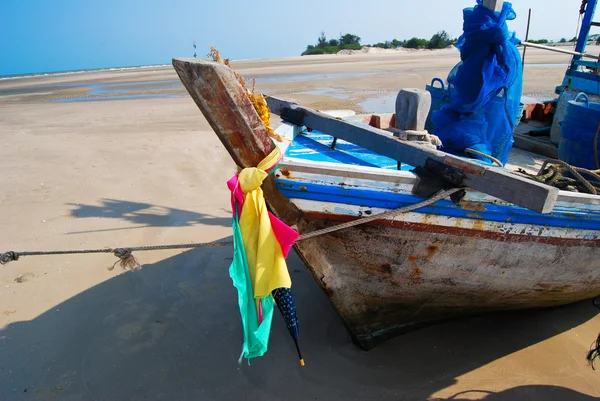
column 379, row 50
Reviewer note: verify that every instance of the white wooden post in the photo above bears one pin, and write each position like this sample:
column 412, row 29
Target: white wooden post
column 494, row 5
column 412, row 108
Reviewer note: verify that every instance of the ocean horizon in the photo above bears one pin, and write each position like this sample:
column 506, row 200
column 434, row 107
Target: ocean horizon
column 84, row 70
column 79, row 71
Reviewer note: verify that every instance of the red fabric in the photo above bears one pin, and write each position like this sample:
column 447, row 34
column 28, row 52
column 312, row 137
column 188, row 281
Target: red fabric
column 286, row 236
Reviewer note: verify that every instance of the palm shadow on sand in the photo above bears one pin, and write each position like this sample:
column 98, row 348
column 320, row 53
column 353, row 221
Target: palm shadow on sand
column 172, row 331
column 145, row 215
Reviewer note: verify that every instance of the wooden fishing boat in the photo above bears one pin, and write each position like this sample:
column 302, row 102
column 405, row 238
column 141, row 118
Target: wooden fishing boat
column 510, row 243
column 501, row 242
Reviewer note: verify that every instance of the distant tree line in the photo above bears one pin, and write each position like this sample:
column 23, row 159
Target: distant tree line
column 440, row 40
column 592, row 38
column 332, row 46
column 350, row 41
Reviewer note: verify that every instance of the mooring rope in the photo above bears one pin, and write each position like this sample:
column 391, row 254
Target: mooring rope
column 492, row 158
column 380, row 216
column 128, row 260
column 121, row 252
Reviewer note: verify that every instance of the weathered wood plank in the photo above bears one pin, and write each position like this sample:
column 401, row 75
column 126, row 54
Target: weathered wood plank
column 491, row 180
column 346, row 171
column 227, row 109
column 377, row 140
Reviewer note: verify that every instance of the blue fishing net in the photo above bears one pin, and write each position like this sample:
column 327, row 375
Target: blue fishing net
column 485, row 86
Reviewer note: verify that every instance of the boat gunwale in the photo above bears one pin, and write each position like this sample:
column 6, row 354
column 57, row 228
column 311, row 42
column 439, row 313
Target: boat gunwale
column 290, row 131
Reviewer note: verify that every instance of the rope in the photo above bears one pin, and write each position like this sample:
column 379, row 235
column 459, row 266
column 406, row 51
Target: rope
column 380, row 216
column 478, row 153
column 121, row 253
column 551, row 173
column 575, row 171
column 127, row 259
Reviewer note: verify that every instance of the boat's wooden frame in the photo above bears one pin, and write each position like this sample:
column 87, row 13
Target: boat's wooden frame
column 394, row 275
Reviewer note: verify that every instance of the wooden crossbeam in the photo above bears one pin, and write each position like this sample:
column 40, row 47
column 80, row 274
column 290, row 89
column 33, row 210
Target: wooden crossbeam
column 494, row 181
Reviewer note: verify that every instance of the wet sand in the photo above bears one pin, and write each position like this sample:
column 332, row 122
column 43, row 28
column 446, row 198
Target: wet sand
column 106, row 173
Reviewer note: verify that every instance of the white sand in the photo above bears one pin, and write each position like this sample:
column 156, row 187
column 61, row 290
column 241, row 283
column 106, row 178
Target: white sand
column 150, row 171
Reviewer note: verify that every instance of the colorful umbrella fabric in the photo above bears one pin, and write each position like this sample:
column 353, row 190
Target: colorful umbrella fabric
column 261, row 244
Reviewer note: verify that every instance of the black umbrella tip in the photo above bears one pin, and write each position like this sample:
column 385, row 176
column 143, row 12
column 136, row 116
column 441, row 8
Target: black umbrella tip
column 299, row 354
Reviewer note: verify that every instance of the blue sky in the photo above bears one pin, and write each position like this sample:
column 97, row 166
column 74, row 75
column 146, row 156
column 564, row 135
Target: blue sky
column 58, row 35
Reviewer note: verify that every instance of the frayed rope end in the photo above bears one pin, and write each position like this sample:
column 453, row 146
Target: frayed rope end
column 126, row 260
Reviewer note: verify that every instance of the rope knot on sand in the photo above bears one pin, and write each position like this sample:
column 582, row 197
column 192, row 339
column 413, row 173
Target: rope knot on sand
column 126, row 259
column 7, row 257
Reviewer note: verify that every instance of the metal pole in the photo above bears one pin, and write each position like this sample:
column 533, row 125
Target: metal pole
column 553, row 49
column 526, row 37
column 584, row 31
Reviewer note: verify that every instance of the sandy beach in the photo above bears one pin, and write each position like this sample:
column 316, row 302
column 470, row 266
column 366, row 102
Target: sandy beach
column 124, row 158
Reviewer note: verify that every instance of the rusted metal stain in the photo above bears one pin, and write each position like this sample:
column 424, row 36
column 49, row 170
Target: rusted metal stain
column 415, row 275
column 474, row 206
column 431, row 251
column 479, row 225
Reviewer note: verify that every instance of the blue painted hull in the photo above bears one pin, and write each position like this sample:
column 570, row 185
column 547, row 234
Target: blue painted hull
column 439, row 262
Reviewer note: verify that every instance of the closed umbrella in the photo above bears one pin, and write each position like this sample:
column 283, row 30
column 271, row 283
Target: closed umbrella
column 285, row 302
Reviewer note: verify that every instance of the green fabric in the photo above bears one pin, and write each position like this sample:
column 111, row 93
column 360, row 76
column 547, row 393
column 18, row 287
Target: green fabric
column 256, row 338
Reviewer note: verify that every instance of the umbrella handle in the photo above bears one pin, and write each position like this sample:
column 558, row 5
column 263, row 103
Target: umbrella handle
column 299, row 354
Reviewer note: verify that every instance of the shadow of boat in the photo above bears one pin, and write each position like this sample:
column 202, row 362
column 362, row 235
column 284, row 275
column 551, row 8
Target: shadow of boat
column 172, row 331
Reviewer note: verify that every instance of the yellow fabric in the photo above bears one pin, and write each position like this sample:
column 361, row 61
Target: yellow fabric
column 268, row 269
column 271, row 160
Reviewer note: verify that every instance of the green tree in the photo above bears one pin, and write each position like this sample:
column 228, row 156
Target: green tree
column 440, row 40
column 349, row 39
column 563, row 40
column 416, row 43
column 334, row 42
column 322, row 41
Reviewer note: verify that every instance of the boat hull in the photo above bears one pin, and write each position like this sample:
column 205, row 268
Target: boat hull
column 436, row 262
column 391, row 277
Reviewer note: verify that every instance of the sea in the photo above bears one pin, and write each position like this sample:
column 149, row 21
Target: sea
column 69, row 72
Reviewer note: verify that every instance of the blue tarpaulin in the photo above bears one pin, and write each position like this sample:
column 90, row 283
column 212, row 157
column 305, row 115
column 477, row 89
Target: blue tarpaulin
column 485, row 86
